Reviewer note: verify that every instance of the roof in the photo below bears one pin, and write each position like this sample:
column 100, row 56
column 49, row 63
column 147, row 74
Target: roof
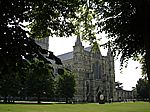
column 66, row 56
column 88, row 49
column 69, row 55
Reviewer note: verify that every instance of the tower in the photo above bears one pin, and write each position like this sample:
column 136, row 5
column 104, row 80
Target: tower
column 78, row 67
column 78, row 52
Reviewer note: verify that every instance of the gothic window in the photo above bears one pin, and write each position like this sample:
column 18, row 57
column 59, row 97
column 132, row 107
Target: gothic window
column 97, row 70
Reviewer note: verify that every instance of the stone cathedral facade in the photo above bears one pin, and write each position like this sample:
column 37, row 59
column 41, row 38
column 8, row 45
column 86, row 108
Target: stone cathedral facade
column 95, row 73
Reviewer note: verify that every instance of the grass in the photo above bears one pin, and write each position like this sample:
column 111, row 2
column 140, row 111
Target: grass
column 93, row 107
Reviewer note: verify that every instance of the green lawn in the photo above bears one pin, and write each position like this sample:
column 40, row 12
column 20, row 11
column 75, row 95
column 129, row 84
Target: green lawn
column 94, row 107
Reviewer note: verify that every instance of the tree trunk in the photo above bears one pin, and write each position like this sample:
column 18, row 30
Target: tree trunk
column 67, row 100
column 5, row 99
column 147, row 57
column 147, row 60
column 39, row 101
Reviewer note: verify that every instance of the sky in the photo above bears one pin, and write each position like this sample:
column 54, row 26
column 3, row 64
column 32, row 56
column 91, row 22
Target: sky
column 129, row 75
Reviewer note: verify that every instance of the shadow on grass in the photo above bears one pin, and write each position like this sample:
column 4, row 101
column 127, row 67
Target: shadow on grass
column 42, row 103
column 28, row 102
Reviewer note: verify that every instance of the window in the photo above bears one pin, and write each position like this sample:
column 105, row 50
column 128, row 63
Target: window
column 97, row 70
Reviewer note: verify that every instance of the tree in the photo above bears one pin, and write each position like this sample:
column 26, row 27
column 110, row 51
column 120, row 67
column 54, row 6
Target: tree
column 40, row 81
column 45, row 18
column 12, row 81
column 142, row 89
column 84, row 24
column 66, row 85
column 126, row 22
column 9, row 84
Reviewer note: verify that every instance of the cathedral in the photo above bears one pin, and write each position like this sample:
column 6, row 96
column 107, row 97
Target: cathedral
column 94, row 73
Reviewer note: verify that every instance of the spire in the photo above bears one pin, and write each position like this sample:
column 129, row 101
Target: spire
column 78, row 41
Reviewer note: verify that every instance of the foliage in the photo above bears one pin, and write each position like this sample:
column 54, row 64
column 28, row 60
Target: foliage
column 12, row 80
column 85, row 26
column 17, row 46
column 40, row 81
column 52, row 17
column 126, row 22
column 142, row 89
column 143, row 63
column 9, row 84
column 45, row 18
column 125, row 25
column 66, row 85
column 32, row 80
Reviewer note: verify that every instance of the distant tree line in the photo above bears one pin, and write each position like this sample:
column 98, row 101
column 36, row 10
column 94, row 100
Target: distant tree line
column 35, row 80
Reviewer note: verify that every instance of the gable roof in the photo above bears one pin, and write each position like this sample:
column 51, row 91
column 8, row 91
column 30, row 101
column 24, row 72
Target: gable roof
column 88, row 48
column 66, row 56
column 69, row 55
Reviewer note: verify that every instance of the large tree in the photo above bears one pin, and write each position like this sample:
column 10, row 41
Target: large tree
column 17, row 46
column 126, row 22
column 45, row 18
column 39, row 81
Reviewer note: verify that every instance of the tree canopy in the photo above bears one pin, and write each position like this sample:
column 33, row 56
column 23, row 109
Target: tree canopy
column 44, row 17
column 126, row 22
column 17, row 45
column 39, row 81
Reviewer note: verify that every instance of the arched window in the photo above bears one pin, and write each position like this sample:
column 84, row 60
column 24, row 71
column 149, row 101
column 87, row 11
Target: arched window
column 97, row 70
